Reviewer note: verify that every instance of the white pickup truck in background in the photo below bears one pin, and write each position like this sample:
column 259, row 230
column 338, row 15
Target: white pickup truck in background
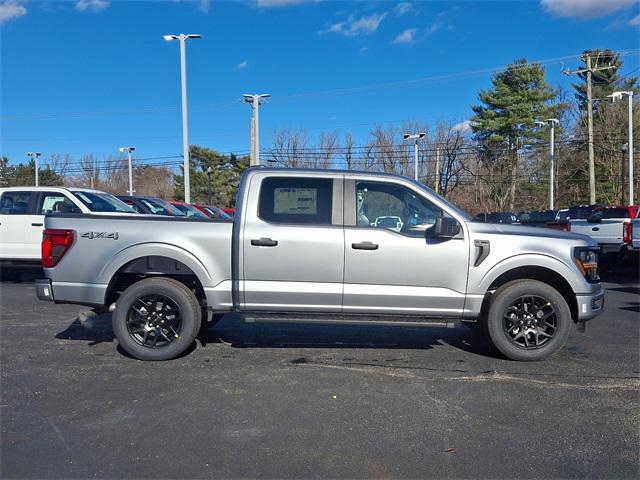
column 22, row 211
column 606, row 226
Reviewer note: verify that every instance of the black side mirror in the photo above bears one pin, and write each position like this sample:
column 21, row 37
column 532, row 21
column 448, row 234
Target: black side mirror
column 445, row 227
column 595, row 218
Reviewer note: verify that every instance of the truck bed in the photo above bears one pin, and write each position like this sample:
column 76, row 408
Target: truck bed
column 115, row 243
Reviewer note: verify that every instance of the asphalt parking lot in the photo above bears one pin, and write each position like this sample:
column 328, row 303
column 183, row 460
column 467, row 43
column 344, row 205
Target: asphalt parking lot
column 305, row 401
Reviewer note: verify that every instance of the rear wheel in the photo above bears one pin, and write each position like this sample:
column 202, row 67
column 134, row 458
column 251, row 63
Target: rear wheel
column 528, row 320
column 156, row 319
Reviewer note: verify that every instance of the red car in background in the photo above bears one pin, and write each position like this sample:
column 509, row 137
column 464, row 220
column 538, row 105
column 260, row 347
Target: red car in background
column 230, row 211
column 213, row 212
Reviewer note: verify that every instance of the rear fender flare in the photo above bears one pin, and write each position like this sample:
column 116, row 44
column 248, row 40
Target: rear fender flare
column 159, row 250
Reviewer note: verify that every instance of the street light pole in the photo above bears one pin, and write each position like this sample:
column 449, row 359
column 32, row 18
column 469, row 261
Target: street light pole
column 255, row 100
column 551, row 122
column 182, row 38
column 209, row 172
column 616, row 96
column 35, row 156
column 415, row 137
column 129, row 150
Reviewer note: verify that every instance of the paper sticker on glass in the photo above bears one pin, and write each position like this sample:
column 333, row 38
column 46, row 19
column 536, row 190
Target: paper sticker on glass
column 295, row 201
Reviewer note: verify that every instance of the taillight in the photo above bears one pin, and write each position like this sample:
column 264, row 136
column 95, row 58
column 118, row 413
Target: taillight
column 55, row 244
column 567, row 227
column 627, row 233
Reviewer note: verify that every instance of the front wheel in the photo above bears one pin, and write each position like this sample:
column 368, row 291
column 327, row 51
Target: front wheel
column 156, row 319
column 528, row 320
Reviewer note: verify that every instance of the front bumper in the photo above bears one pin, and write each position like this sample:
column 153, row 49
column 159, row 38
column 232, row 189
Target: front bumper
column 590, row 305
column 44, row 290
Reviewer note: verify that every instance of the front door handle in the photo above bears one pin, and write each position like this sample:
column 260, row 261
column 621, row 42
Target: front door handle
column 364, row 246
column 264, row 242
column 37, row 224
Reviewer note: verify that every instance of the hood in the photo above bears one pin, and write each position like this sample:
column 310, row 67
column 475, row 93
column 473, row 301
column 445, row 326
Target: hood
column 521, row 230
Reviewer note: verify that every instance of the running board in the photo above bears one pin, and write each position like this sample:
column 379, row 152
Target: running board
column 353, row 319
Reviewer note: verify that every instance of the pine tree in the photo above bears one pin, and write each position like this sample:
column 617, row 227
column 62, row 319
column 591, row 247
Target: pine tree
column 505, row 120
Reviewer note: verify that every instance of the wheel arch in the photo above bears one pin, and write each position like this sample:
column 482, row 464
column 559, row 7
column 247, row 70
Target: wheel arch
column 534, row 272
column 141, row 261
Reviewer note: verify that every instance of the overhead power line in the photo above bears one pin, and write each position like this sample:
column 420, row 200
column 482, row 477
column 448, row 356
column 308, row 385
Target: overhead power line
column 295, row 96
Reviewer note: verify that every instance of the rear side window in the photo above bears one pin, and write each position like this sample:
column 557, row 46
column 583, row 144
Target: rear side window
column 614, row 213
column 15, row 203
column 56, row 203
column 296, row 200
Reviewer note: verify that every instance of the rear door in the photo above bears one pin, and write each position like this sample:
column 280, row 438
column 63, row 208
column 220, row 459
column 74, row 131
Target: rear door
column 293, row 244
column 20, row 227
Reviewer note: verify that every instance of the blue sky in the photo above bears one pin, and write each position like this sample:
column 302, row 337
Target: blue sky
column 90, row 76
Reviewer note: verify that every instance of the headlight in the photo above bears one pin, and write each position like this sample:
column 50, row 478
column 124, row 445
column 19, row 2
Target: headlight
column 586, row 259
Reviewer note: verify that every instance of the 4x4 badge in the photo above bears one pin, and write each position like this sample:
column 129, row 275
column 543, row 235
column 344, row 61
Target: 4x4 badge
column 92, row 235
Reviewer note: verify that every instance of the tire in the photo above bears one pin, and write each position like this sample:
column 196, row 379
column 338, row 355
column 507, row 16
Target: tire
column 156, row 319
column 528, row 320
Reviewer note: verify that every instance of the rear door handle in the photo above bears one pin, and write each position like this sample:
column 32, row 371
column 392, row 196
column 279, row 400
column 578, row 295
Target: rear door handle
column 37, row 224
column 364, row 246
column 264, row 242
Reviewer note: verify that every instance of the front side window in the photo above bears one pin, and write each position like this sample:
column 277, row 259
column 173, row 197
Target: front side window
column 393, row 207
column 15, row 203
column 296, row 200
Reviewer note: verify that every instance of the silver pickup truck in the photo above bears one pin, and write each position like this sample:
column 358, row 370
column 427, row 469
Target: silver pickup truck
column 316, row 246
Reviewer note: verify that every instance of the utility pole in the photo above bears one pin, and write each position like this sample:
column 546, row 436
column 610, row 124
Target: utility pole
column 182, row 38
column 255, row 101
column 616, row 96
column 129, row 150
column 590, row 71
column 415, row 137
column 35, row 156
column 437, row 169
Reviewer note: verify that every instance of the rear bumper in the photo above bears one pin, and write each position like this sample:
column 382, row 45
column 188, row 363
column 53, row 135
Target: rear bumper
column 590, row 305
column 44, row 290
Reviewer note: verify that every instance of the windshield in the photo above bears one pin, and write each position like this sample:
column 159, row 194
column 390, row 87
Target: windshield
column 449, row 205
column 161, row 207
column 218, row 213
column 102, row 202
column 563, row 215
column 190, row 211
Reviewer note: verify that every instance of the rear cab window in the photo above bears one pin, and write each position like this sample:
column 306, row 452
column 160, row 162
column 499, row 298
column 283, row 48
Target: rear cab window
column 294, row 200
column 16, row 203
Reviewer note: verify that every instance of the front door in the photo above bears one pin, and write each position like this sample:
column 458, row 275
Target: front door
column 293, row 244
column 390, row 268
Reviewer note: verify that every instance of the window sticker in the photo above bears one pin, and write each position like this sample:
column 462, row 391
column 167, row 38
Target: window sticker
column 295, row 201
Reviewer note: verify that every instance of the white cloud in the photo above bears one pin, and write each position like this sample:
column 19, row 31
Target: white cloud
column 242, row 65
column 91, row 5
column 635, row 21
column 353, row 27
column 11, row 9
column 204, row 5
column 462, row 126
column 585, row 8
column 404, row 8
column 405, row 37
column 280, row 3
